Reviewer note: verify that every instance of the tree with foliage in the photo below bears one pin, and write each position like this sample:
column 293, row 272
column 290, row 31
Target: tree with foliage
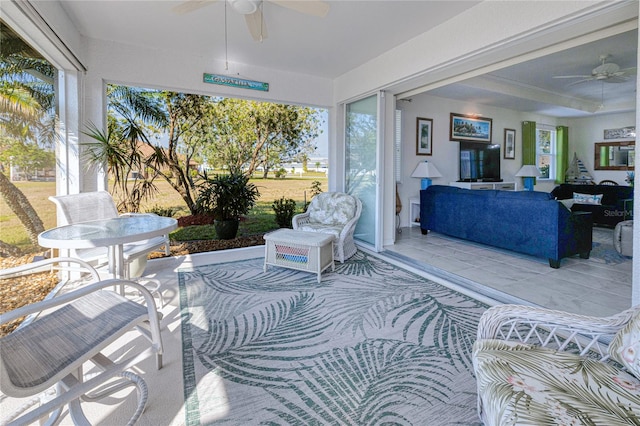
column 237, row 134
column 27, row 124
column 136, row 117
column 250, row 134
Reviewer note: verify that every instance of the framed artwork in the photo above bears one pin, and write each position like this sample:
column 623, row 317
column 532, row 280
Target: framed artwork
column 424, row 136
column 470, row 128
column 509, row 144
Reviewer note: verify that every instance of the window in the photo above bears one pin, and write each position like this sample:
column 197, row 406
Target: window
column 546, row 151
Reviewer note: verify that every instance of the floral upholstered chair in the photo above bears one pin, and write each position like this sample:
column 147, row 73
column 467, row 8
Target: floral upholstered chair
column 538, row 366
column 334, row 213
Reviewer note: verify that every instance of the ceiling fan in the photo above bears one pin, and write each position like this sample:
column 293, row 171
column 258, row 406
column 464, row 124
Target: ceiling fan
column 252, row 11
column 605, row 72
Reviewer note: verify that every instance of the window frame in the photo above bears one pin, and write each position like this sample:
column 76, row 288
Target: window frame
column 553, row 148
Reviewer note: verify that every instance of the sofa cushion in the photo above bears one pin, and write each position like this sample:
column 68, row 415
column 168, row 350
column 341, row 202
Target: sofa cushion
column 525, row 384
column 325, row 229
column 625, row 347
column 568, row 203
column 523, row 195
column 332, row 208
column 595, row 199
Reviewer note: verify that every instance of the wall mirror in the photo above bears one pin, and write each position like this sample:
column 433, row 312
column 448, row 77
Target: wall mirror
column 615, row 155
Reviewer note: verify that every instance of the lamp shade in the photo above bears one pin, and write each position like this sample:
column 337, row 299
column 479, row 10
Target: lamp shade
column 425, row 169
column 529, row 170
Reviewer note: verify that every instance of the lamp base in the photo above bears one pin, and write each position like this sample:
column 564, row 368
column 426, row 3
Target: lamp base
column 528, row 183
column 425, row 183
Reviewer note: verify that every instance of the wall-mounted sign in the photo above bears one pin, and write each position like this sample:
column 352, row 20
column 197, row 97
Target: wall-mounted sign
column 225, row 80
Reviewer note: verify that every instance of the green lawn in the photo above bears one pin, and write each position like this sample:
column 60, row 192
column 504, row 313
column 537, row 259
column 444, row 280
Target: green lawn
column 259, row 220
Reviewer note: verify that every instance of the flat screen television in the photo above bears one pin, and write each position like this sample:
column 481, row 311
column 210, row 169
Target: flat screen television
column 479, row 162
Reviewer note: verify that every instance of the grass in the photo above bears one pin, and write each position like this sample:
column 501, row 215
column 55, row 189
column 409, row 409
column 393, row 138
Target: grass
column 260, row 219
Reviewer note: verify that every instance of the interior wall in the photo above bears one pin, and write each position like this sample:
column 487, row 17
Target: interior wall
column 585, row 132
column 445, row 153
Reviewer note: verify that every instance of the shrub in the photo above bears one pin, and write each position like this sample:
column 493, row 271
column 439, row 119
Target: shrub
column 163, row 211
column 284, row 208
column 316, row 188
column 281, row 173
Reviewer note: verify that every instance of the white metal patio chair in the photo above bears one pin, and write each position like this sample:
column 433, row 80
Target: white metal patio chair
column 334, row 213
column 76, row 327
column 46, row 265
column 86, row 206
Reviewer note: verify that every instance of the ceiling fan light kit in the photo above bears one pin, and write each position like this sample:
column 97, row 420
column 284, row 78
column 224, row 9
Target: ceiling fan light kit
column 244, row 7
column 252, row 11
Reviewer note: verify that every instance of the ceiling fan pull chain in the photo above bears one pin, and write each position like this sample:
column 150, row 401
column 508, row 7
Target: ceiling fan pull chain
column 226, row 44
column 261, row 20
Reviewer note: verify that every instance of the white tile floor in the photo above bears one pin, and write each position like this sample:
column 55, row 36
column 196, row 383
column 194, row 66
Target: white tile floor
column 589, row 287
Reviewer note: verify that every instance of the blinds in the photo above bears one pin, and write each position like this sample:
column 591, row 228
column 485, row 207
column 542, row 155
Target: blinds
column 397, row 145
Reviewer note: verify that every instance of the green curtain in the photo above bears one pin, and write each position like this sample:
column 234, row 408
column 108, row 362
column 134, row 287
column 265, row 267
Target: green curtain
column 529, row 144
column 562, row 153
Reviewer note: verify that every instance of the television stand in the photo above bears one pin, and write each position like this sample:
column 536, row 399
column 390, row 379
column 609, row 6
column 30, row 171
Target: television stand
column 504, row 186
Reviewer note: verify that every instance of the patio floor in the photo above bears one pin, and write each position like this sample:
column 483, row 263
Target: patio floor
column 507, row 279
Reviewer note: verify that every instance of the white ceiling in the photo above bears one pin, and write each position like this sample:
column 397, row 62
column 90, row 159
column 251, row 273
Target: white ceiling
column 531, row 87
column 352, row 33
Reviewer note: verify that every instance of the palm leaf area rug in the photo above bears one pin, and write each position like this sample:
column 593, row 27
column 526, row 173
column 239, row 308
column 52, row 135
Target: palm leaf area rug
column 371, row 344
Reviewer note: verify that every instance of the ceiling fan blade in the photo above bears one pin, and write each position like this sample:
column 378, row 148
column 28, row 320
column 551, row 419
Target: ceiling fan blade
column 580, row 81
column 190, row 5
column 256, row 25
column 617, row 79
column 628, row 71
column 309, row 7
column 571, row 76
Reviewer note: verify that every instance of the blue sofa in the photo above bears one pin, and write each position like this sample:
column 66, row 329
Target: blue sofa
column 527, row 222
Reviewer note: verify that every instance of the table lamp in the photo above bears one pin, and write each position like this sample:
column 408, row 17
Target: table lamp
column 528, row 172
column 426, row 171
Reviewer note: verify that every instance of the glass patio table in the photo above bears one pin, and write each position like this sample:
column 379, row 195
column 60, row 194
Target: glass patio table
column 112, row 233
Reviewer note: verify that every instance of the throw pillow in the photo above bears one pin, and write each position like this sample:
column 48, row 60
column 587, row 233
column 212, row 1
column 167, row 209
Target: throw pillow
column 625, row 347
column 587, row 198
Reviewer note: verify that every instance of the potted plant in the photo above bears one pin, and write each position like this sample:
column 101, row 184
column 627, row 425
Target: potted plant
column 226, row 197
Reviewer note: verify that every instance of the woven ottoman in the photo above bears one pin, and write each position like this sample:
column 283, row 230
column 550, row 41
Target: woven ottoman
column 300, row 250
column 623, row 238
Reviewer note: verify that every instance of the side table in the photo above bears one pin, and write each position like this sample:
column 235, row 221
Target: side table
column 414, row 211
column 300, row 250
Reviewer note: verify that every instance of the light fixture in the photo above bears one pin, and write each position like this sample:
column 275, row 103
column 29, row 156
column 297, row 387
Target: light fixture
column 244, row 7
column 426, row 171
column 529, row 172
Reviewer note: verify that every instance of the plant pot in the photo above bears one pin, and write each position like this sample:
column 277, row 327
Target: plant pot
column 226, row 229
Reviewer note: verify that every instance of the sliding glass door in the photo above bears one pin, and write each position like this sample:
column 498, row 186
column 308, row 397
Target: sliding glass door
column 362, row 151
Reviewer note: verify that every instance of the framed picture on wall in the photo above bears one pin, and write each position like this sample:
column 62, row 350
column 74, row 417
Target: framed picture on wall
column 509, row 144
column 470, row 128
column 424, row 136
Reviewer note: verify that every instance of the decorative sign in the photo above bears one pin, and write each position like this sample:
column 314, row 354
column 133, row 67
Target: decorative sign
column 225, row 80
column 623, row 132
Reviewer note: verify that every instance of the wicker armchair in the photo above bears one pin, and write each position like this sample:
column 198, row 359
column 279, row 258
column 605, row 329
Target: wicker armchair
column 533, row 364
column 74, row 328
column 333, row 213
column 86, row 206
